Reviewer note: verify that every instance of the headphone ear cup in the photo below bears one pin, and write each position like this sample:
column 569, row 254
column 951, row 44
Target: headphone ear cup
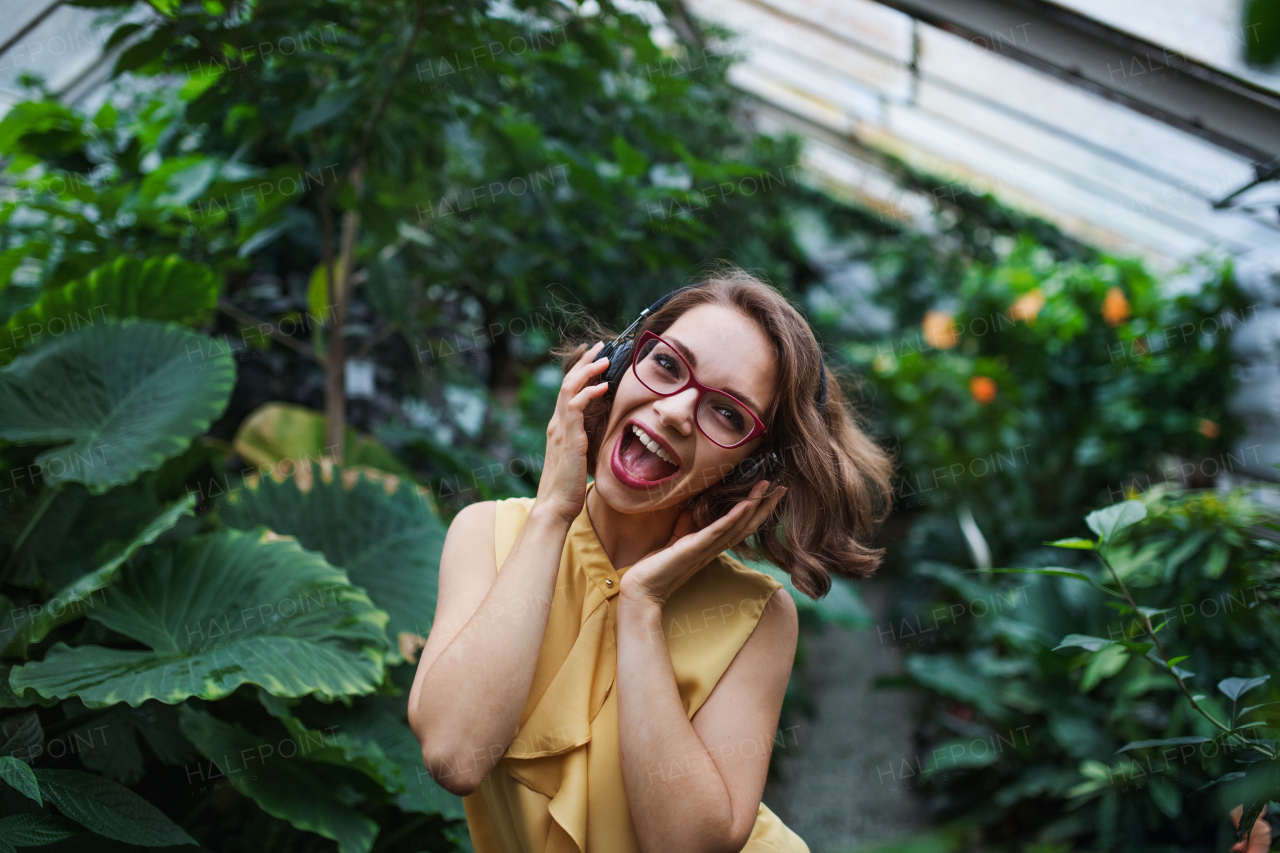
column 618, row 363
column 758, row 466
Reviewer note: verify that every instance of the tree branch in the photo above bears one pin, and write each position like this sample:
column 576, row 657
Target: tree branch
column 249, row 320
column 375, row 117
column 1146, row 626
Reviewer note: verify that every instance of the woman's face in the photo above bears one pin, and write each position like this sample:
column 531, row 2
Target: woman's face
column 728, row 351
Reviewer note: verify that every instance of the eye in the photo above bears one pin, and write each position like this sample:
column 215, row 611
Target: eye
column 733, row 416
column 667, row 363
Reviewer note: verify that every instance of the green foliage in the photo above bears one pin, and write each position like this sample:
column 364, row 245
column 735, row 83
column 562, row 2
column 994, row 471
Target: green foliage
column 1262, row 32
column 30, row 830
column 489, row 198
column 299, row 792
column 116, row 399
column 157, row 289
column 1052, row 386
column 1116, row 730
column 20, row 776
column 109, row 809
column 167, row 275
column 218, row 611
column 389, row 542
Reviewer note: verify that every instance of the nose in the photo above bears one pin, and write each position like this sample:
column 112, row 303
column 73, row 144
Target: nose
column 678, row 411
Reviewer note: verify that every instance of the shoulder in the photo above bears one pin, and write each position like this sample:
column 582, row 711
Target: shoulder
column 777, row 609
column 481, row 517
column 471, row 533
column 488, row 527
column 780, row 615
column 474, row 520
column 770, row 649
column 734, row 572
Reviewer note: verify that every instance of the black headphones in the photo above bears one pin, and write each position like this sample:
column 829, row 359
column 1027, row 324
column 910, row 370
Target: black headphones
column 766, row 463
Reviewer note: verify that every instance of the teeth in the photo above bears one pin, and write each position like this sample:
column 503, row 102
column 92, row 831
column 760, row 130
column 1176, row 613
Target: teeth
column 653, row 445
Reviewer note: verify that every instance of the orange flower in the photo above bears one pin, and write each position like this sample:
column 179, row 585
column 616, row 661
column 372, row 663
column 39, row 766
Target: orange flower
column 1115, row 307
column 982, row 389
column 1208, row 428
column 1027, row 306
column 1259, row 839
column 940, row 330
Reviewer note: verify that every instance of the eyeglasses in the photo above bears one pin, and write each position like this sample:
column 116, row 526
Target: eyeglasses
column 723, row 418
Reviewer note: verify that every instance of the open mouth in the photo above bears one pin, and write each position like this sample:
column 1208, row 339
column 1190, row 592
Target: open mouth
column 641, row 460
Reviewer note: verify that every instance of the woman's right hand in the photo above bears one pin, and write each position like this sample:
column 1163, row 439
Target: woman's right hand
column 563, row 487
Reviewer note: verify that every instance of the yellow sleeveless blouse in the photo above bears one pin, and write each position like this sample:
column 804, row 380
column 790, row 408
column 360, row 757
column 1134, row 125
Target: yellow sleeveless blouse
column 559, row 786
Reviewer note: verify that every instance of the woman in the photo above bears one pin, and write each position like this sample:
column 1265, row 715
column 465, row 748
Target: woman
column 582, row 707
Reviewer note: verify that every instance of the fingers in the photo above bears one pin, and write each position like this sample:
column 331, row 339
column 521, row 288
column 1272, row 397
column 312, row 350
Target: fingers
column 723, row 532
column 751, row 513
column 764, row 508
column 586, row 367
column 586, row 395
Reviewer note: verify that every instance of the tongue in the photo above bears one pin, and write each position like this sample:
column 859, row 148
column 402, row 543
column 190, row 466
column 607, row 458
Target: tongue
column 642, row 463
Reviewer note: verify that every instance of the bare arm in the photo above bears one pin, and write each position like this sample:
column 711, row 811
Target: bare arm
column 477, row 667
column 695, row 786
column 463, row 713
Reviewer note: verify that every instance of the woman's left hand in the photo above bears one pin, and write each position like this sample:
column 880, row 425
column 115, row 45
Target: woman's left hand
column 661, row 572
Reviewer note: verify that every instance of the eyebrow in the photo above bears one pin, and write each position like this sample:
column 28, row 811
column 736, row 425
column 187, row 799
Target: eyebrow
column 693, row 362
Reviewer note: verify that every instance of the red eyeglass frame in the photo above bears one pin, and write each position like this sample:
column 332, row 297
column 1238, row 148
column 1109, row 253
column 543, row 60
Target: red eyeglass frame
column 703, row 390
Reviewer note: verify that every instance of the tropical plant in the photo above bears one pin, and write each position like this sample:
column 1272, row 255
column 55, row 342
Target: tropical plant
column 1034, row 387
column 184, row 655
column 205, row 607
column 1113, row 746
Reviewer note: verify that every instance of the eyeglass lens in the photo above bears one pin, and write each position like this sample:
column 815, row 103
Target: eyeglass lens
column 664, row 371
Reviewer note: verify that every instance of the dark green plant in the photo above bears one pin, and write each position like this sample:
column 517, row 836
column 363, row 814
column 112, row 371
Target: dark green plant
column 1113, row 746
column 244, row 213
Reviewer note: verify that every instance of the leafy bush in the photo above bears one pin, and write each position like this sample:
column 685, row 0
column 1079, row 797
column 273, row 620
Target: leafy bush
column 1037, row 387
column 1079, row 704
column 190, row 656
column 195, row 650
column 185, row 273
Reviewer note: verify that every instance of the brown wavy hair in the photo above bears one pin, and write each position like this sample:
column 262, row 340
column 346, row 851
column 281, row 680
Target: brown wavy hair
column 837, row 478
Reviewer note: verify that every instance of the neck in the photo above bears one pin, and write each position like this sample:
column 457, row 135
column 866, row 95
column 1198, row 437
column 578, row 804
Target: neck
column 629, row 536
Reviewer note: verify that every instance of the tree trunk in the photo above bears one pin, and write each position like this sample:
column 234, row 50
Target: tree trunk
column 335, row 367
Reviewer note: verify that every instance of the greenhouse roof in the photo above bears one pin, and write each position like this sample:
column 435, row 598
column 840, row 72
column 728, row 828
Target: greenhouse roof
column 1123, row 123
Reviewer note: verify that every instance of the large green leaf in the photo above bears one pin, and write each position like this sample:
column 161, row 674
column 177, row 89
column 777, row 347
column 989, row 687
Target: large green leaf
column 75, row 599
column 166, row 288
column 373, row 738
column 218, row 611
column 282, row 435
column 380, row 529
column 119, row 398
column 332, row 741
column 290, row 788
column 109, row 808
